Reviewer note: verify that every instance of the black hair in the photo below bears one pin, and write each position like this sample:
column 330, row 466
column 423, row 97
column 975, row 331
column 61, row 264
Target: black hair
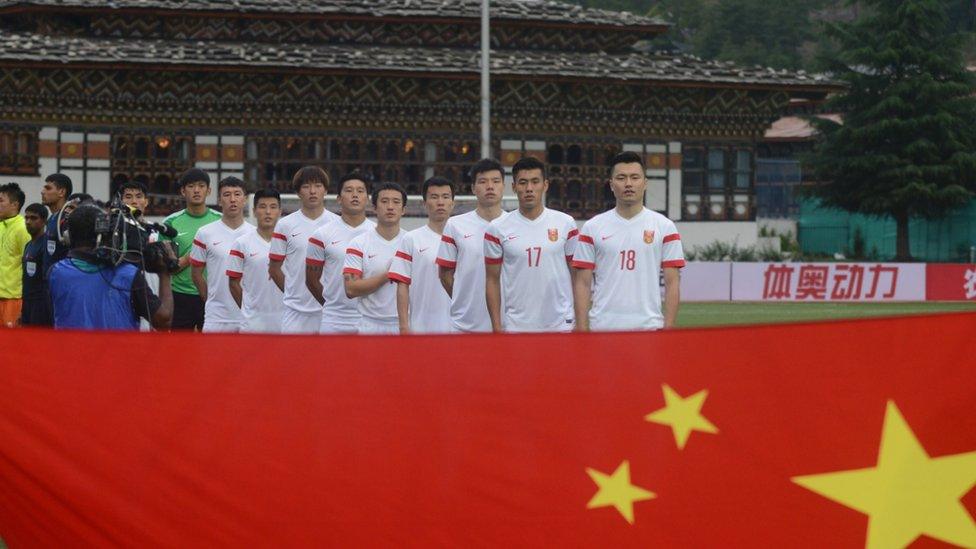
column 486, row 165
column 626, row 157
column 354, row 175
column 267, row 192
column 528, row 163
column 81, row 198
column 134, row 185
column 81, row 225
column 37, row 209
column 62, row 182
column 14, row 194
column 389, row 187
column 231, row 181
column 437, row 181
column 194, row 175
column 310, row 174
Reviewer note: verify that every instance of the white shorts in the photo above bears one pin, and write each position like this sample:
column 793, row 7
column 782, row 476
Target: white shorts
column 456, row 330
column 298, row 322
column 379, row 327
column 339, row 325
column 265, row 323
column 215, row 327
column 562, row 329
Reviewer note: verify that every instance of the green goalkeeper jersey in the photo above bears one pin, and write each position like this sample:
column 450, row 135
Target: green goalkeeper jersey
column 187, row 225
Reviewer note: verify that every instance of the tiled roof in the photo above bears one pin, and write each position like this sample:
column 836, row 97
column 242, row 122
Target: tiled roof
column 530, row 10
column 636, row 66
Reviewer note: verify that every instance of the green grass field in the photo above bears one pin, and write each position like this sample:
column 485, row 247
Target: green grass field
column 722, row 314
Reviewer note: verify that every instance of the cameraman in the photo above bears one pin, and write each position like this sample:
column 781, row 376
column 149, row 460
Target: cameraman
column 89, row 292
column 135, row 195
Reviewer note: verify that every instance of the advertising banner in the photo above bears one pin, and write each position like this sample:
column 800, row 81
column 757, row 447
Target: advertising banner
column 828, row 282
column 950, row 282
column 705, row 281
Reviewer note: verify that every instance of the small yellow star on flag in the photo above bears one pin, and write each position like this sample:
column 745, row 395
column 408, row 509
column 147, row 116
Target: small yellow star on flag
column 617, row 491
column 683, row 415
column 907, row 493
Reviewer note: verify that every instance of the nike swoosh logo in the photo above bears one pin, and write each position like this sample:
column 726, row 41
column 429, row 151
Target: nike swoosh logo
column 468, row 235
column 215, row 244
column 422, row 250
column 295, row 234
column 371, row 256
column 606, row 237
column 513, row 237
column 334, row 242
column 181, row 234
column 252, row 255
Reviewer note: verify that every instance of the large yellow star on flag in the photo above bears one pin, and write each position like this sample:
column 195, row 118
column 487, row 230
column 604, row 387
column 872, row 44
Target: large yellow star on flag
column 617, row 491
column 683, row 415
column 908, row 493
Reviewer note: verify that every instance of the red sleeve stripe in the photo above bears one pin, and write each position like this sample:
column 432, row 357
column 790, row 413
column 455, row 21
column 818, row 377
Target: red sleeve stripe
column 492, row 238
column 449, row 240
column 198, row 243
column 674, row 263
column 317, row 242
column 354, row 251
column 446, row 263
column 351, row 271
column 493, row 260
column 586, row 238
column 234, row 274
column 196, row 263
column 279, row 236
column 671, row 237
column 572, row 233
column 399, row 278
column 584, row 264
column 404, row 255
column 314, row 262
column 238, row 253
column 276, row 257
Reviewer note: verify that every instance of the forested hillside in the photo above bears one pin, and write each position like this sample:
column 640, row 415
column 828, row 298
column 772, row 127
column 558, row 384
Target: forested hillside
column 780, row 33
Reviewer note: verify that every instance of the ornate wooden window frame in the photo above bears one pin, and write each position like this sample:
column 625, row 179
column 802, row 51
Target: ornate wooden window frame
column 19, row 152
column 717, row 182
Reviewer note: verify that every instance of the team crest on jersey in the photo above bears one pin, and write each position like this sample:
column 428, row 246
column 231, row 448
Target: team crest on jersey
column 553, row 234
column 648, row 236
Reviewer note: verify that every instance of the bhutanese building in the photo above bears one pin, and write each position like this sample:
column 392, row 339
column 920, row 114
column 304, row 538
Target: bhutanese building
column 109, row 90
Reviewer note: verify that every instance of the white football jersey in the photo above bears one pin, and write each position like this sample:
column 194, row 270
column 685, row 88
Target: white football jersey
column 262, row 300
column 288, row 245
column 369, row 254
column 537, row 288
column 415, row 264
column 462, row 248
column 327, row 248
column 211, row 249
column 626, row 257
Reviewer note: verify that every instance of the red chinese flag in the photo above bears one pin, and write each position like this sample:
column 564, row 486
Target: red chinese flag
column 819, row 435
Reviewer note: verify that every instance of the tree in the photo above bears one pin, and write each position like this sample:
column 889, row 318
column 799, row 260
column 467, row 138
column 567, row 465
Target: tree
column 781, row 34
column 907, row 144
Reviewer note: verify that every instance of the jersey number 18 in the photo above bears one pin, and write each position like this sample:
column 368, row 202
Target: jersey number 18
column 628, row 260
